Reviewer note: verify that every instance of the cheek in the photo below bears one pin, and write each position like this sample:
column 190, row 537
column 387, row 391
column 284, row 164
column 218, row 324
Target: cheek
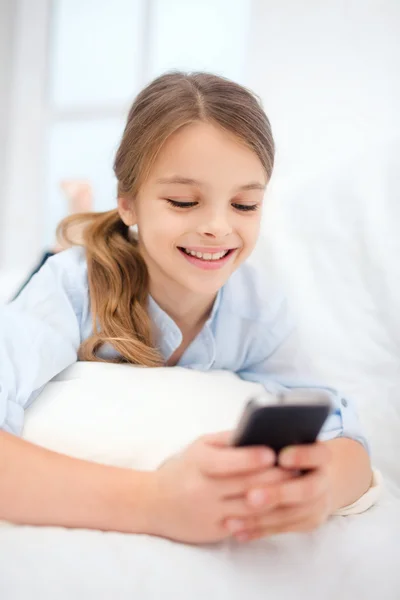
column 159, row 231
column 250, row 230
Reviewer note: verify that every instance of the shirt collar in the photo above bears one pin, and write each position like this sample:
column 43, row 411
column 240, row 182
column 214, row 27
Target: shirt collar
column 168, row 335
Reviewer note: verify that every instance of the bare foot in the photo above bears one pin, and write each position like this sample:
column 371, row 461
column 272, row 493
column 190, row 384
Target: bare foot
column 79, row 194
column 80, row 199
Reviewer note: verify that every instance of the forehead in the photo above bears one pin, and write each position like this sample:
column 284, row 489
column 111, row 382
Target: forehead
column 209, row 154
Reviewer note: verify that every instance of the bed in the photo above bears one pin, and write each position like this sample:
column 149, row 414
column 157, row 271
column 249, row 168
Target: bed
column 336, row 241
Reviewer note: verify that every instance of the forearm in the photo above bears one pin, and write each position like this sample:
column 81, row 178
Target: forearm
column 40, row 487
column 349, row 470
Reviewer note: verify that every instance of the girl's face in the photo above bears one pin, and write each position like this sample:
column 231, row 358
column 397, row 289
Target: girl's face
column 198, row 213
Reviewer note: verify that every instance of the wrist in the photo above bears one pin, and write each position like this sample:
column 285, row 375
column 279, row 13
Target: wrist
column 350, row 472
column 132, row 501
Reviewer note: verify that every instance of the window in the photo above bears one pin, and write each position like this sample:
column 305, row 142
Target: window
column 101, row 53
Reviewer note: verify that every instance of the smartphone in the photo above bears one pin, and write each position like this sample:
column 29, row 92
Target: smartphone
column 292, row 418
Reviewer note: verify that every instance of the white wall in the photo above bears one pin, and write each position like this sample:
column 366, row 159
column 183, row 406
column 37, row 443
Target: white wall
column 328, row 73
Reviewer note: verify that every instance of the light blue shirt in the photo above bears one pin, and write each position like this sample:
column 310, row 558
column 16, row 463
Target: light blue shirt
column 248, row 333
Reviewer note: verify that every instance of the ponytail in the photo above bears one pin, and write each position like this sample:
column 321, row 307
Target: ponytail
column 118, row 287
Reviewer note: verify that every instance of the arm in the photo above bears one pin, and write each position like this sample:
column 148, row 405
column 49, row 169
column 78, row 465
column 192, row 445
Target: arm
column 338, row 472
column 286, row 366
column 343, row 466
column 349, row 471
column 40, row 487
column 39, row 335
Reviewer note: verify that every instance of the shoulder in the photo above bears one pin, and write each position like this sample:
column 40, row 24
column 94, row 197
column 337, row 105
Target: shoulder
column 72, row 258
column 62, row 277
column 69, row 270
column 253, row 313
column 254, row 293
column 69, row 267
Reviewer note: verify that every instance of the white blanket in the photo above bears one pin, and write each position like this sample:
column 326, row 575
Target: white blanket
column 339, row 248
column 350, row 557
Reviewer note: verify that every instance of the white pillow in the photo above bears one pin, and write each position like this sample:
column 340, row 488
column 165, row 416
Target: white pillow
column 136, row 417
column 133, row 416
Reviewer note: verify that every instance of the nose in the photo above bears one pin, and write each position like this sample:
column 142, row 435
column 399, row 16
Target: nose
column 215, row 224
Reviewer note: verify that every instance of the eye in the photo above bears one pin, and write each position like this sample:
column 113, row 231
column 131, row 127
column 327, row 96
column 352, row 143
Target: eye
column 178, row 204
column 245, row 207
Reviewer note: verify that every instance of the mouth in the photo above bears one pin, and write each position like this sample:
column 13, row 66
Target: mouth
column 207, row 255
column 207, row 260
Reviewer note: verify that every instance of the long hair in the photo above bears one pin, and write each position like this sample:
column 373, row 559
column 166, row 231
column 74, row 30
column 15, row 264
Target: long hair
column 117, row 274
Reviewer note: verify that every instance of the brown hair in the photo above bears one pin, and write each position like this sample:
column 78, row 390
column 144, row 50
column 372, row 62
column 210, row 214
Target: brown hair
column 117, row 274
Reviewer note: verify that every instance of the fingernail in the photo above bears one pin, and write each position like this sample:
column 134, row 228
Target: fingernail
column 287, row 457
column 257, row 497
column 267, row 457
column 234, row 525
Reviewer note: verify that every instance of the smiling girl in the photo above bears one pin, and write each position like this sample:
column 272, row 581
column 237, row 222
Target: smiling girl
column 163, row 280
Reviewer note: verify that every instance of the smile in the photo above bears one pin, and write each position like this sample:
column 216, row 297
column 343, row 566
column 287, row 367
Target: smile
column 206, row 255
column 207, row 260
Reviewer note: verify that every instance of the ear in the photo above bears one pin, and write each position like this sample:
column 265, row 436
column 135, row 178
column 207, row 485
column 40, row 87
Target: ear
column 127, row 211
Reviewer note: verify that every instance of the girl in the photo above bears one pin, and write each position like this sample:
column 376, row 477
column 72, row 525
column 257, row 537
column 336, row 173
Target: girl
column 192, row 167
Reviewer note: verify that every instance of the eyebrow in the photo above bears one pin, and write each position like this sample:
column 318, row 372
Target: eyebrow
column 253, row 185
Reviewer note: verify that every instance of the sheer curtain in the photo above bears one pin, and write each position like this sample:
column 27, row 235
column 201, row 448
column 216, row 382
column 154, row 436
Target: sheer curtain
column 101, row 54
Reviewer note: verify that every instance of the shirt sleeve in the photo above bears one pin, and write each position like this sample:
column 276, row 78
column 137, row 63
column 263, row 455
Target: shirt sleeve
column 283, row 364
column 39, row 337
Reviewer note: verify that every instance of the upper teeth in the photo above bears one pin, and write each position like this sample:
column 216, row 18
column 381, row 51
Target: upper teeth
column 206, row 255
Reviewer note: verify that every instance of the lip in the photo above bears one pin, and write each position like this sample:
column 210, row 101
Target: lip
column 208, row 265
column 209, row 249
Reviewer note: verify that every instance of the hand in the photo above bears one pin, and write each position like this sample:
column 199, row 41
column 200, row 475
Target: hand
column 199, row 489
column 301, row 504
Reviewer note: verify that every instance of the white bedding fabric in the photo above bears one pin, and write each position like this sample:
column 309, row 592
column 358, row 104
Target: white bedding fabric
column 350, row 557
column 337, row 242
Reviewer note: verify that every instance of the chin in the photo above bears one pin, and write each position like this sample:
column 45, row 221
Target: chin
column 204, row 286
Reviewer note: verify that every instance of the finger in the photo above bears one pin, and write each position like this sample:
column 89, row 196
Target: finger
column 241, row 516
column 295, row 491
column 236, row 505
column 316, row 512
column 302, row 526
column 307, row 456
column 239, row 486
column 250, row 536
column 219, row 439
column 229, row 461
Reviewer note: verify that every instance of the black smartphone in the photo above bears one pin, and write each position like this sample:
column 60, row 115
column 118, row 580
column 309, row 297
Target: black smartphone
column 292, row 418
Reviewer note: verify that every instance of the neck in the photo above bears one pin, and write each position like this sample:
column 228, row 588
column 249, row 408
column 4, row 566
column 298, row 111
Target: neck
column 189, row 311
